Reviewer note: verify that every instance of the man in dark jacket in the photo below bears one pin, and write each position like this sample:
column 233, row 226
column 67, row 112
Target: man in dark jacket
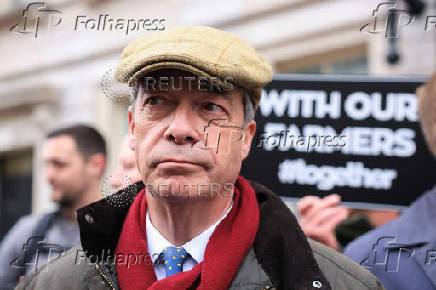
column 193, row 222
column 402, row 253
column 74, row 163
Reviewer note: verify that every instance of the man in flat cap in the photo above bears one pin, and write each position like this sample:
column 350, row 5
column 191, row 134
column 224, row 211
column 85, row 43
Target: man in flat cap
column 193, row 222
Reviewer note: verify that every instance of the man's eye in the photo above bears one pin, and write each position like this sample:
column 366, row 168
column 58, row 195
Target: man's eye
column 213, row 107
column 152, row 101
column 59, row 164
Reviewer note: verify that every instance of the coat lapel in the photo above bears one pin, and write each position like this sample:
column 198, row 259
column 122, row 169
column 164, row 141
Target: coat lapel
column 281, row 247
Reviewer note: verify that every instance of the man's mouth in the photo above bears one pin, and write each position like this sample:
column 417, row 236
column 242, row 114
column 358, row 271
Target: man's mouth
column 175, row 162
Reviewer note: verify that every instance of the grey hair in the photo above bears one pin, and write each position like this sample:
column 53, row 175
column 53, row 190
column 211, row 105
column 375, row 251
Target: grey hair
column 246, row 101
column 248, row 107
column 133, row 91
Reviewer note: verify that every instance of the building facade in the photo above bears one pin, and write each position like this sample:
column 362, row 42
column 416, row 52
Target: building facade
column 59, row 70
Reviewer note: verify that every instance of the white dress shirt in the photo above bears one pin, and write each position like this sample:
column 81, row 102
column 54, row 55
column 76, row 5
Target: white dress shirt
column 156, row 243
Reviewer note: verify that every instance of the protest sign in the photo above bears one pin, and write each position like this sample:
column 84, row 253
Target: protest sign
column 355, row 136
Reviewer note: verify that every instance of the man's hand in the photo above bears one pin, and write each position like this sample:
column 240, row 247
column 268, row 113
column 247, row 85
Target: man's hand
column 319, row 217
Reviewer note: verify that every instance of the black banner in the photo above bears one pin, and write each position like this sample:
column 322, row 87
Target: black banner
column 355, row 136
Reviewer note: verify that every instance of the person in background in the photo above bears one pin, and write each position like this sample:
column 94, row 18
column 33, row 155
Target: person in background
column 319, row 217
column 326, row 221
column 127, row 172
column 402, row 253
column 74, row 162
column 360, row 221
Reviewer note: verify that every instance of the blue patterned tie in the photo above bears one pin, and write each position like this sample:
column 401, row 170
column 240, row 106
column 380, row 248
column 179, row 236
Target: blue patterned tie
column 174, row 258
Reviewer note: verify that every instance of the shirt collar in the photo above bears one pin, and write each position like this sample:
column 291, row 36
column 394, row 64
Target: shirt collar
column 156, row 242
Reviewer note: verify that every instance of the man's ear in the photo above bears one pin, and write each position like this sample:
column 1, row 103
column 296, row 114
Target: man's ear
column 97, row 164
column 249, row 131
column 131, row 130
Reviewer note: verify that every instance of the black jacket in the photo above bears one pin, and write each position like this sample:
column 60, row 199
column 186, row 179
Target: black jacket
column 281, row 257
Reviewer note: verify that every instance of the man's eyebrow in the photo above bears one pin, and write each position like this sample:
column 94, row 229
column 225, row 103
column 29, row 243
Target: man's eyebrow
column 151, row 93
column 223, row 95
column 55, row 160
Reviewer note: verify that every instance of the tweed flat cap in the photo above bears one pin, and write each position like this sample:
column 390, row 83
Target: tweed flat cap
column 203, row 51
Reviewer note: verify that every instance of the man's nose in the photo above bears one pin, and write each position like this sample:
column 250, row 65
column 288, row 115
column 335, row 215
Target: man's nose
column 183, row 128
column 49, row 173
column 115, row 180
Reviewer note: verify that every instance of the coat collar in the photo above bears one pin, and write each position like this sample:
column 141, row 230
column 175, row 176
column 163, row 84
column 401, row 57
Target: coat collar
column 422, row 212
column 280, row 245
column 417, row 227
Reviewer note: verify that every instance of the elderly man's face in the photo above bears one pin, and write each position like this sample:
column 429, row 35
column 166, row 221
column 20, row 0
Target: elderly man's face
column 188, row 141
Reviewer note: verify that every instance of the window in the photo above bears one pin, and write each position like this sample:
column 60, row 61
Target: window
column 350, row 60
column 15, row 188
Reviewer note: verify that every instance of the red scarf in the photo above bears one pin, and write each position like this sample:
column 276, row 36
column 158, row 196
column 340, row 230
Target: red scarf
column 227, row 246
